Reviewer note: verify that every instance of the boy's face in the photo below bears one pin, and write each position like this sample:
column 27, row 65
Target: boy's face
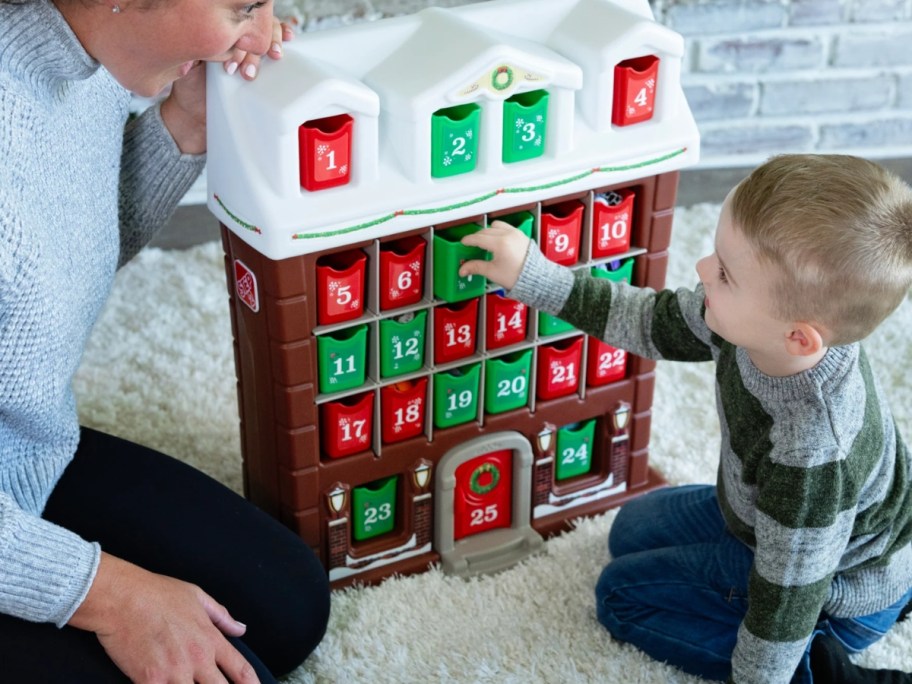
column 737, row 287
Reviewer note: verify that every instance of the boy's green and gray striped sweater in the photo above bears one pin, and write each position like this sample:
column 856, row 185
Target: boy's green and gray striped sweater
column 813, row 475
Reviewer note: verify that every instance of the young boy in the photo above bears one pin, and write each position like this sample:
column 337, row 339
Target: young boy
column 809, row 528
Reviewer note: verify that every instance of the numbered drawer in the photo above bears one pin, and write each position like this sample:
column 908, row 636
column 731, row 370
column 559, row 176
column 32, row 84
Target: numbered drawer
column 507, row 381
column 455, row 331
column 549, row 325
column 325, row 152
column 402, row 272
column 505, row 321
column 524, row 221
column 574, row 450
column 619, row 270
column 634, row 90
column 454, row 140
column 611, row 222
column 402, row 408
column 374, row 508
column 342, row 359
column 483, row 497
column 604, row 363
column 525, row 124
column 449, row 255
column 456, row 394
column 561, row 227
column 558, row 370
column 340, row 286
column 346, row 425
column 402, row 343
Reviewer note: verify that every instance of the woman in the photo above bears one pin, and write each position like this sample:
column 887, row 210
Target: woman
column 117, row 562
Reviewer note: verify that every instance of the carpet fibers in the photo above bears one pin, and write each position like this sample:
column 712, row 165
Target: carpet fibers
column 159, row 370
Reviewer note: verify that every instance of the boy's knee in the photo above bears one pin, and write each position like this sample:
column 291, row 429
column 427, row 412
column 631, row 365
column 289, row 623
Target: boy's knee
column 610, row 600
column 623, row 533
column 611, row 587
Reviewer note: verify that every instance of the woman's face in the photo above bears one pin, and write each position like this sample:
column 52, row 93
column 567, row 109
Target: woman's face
column 155, row 43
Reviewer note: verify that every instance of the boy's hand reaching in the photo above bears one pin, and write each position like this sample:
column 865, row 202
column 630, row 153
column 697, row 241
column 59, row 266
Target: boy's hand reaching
column 508, row 247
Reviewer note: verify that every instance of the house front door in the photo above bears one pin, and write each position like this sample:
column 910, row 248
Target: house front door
column 484, row 494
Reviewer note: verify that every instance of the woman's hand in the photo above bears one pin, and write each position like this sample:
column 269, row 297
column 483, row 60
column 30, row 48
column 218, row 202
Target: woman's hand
column 248, row 63
column 184, row 110
column 160, row 629
column 507, row 245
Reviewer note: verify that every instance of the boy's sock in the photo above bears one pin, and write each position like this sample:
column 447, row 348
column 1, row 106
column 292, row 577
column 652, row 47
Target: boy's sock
column 830, row 664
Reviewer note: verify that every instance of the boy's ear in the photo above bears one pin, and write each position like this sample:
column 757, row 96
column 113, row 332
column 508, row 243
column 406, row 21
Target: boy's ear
column 804, row 339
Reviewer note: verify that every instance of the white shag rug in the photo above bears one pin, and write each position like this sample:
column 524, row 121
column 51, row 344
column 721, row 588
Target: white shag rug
column 159, row 370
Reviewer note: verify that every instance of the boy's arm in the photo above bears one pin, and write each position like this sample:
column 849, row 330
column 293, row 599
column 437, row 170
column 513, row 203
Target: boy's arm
column 663, row 325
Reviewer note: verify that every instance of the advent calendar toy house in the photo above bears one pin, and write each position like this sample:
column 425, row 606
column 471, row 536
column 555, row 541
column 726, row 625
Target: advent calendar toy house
column 392, row 413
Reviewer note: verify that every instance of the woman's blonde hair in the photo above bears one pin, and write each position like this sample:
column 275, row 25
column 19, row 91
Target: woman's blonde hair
column 838, row 230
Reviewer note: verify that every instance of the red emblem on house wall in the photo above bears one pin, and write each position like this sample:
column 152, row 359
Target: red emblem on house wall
column 245, row 284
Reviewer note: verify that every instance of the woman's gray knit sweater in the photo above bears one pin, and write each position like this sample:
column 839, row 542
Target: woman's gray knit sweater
column 80, row 194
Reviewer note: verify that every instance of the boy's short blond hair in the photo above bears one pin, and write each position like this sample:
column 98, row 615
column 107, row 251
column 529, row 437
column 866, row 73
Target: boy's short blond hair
column 838, row 230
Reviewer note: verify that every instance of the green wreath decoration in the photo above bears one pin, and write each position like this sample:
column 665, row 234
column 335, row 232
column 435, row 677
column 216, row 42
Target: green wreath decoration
column 496, row 84
column 484, row 469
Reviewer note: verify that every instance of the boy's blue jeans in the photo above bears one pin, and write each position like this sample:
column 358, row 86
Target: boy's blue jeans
column 677, row 586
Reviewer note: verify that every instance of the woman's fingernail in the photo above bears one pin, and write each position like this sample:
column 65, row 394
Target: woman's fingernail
column 250, row 71
column 277, row 48
column 231, row 67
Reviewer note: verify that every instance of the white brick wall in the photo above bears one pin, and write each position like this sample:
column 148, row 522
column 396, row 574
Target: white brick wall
column 805, row 75
column 762, row 76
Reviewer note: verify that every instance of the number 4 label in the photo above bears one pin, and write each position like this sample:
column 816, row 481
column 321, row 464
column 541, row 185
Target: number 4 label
column 635, row 90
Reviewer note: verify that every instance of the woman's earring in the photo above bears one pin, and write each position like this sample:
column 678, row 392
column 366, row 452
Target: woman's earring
column 116, row 9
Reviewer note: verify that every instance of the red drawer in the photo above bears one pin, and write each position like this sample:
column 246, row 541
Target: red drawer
column 558, row 370
column 455, row 331
column 561, row 225
column 346, row 425
column 340, row 286
column 604, row 363
column 505, row 321
column 325, row 152
column 402, row 407
column 402, row 272
column 634, row 90
column 611, row 224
